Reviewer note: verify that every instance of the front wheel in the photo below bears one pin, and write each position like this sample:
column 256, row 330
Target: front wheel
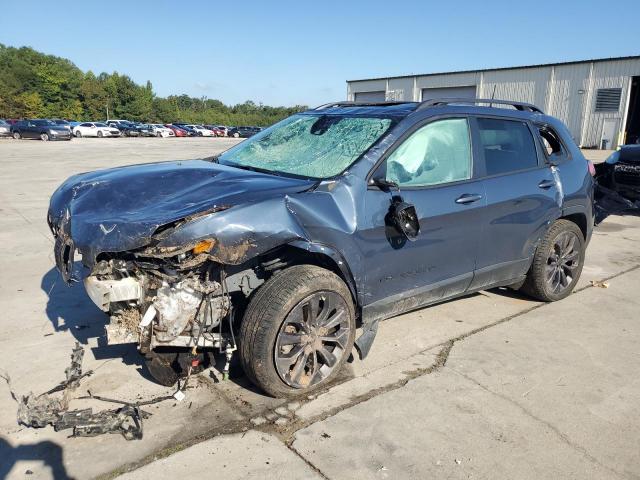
column 17, row 135
column 78, row 134
column 44, row 137
column 298, row 331
column 236, row 135
column 99, row 134
column 557, row 263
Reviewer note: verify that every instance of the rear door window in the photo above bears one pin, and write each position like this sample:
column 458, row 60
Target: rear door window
column 507, row 145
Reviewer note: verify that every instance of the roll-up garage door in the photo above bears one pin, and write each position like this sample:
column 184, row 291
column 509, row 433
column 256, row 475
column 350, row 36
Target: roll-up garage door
column 448, row 92
column 369, row 96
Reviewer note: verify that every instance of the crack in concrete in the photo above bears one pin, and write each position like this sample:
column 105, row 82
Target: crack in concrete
column 287, row 432
column 562, row 436
column 305, row 460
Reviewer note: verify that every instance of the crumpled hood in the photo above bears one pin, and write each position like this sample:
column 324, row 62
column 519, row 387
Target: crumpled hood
column 119, row 209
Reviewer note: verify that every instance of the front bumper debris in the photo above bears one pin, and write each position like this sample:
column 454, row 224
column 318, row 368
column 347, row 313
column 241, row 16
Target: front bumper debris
column 104, row 292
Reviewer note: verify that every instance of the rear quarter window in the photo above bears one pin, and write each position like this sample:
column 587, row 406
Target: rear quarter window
column 551, row 142
column 507, row 145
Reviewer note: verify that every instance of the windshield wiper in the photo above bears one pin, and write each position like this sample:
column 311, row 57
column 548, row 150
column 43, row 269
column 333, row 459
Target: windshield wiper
column 255, row 169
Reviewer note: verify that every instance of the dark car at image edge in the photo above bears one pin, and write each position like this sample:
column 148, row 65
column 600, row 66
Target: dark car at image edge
column 330, row 220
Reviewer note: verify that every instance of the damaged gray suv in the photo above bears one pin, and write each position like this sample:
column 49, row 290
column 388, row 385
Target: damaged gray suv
column 327, row 222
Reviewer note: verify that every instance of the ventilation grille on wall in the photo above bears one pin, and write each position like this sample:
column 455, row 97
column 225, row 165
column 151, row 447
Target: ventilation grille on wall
column 608, row 99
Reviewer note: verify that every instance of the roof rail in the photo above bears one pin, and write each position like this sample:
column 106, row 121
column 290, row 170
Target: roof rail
column 349, row 103
column 448, row 101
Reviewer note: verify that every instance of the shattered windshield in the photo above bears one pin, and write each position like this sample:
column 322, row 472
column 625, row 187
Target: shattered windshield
column 315, row 146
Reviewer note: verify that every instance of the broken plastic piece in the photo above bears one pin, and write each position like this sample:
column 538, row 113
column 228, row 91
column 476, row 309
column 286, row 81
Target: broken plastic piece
column 179, row 395
column 148, row 316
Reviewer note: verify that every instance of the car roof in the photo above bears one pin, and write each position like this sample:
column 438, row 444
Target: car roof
column 431, row 107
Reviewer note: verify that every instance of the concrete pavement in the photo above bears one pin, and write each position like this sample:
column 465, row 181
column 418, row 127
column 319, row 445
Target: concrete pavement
column 551, row 393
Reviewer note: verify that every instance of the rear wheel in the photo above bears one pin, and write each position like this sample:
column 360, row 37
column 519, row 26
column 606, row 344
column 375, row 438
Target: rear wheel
column 557, row 263
column 44, row 137
column 298, row 331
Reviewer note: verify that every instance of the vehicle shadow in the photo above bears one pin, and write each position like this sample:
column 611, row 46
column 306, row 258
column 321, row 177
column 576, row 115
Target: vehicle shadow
column 47, row 452
column 511, row 293
column 70, row 309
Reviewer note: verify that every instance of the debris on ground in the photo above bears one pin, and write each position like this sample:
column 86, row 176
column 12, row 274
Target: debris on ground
column 52, row 407
column 595, row 283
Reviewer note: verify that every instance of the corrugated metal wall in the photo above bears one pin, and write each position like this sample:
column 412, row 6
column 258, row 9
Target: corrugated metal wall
column 564, row 91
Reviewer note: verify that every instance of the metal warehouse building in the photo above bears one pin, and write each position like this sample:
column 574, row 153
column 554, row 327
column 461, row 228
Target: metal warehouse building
column 598, row 100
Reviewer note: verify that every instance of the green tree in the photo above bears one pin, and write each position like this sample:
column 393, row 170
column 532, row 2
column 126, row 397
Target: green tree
column 34, row 84
column 28, row 104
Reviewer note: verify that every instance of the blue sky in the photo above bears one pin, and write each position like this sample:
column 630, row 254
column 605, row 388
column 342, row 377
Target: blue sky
column 300, row 52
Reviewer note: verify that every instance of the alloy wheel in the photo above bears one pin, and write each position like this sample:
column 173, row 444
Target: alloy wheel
column 312, row 339
column 563, row 262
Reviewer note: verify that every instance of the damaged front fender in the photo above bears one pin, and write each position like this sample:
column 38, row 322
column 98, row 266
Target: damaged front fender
column 240, row 233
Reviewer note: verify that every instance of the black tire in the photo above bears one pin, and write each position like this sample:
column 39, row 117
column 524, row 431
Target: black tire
column 236, row 135
column 551, row 263
column 78, row 134
column 99, row 134
column 266, row 316
column 17, row 136
column 167, row 366
column 44, row 137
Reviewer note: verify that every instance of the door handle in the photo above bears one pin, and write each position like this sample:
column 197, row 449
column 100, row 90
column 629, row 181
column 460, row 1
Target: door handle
column 546, row 184
column 466, row 198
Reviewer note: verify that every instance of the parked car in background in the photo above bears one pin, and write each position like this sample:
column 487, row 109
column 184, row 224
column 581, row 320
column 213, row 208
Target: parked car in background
column 160, row 130
column 144, row 129
column 243, row 132
column 95, row 129
column 201, row 131
column 185, row 126
column 126, row 127
column 224, row 130
column 178, row 132
column 5, row 128
column 39, row 128
column 216, row 131
column 62, row 123
column 446, row 199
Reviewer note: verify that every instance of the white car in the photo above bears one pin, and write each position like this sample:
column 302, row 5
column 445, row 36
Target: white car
column 95, row 129
column 5, row 129
column 161, row 130
column 201, row 131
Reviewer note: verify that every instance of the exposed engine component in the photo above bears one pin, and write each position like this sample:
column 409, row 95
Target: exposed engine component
column 188, row 301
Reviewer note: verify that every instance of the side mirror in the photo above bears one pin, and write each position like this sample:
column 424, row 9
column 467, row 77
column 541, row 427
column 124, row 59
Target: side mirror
column 384, row 184
column 405, row 218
